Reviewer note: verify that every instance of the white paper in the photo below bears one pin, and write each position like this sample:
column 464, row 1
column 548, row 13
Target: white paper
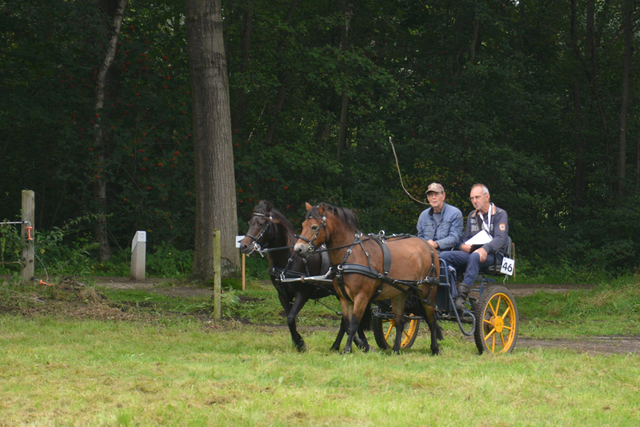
column 479, row 239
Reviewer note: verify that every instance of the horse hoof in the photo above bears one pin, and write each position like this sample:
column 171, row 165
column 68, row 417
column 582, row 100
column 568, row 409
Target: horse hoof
column 301, row 347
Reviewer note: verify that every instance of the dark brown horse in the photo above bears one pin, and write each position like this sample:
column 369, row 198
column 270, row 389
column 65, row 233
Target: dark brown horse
column 368, row 268
column 270, row 232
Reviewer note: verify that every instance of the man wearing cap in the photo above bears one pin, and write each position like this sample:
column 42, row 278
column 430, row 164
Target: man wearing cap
column 441, row 224
column 495, row 222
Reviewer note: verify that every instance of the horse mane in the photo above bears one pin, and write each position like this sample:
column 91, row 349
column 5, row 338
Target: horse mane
column 344, row 214
column 265, row 208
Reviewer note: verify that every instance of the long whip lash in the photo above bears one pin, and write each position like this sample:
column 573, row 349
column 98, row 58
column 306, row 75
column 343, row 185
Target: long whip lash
column 400, row 175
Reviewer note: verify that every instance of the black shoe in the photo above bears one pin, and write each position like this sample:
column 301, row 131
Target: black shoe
column 463, row 293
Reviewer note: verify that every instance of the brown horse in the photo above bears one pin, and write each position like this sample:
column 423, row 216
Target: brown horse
column 370, row 269
column 271, row 232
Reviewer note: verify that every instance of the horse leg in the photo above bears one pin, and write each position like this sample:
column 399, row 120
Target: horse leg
column 397, row 306
column 365, row 324
column 341, row 332
column 436, row 332
column 351, row 322
column 357, row 324
column 360, row 338
column 292, row 311
column 352, row 328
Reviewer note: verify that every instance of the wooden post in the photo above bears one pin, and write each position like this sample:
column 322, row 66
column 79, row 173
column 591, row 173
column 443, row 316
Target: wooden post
column 243, row 274
column 217, row 291
column 28, row 251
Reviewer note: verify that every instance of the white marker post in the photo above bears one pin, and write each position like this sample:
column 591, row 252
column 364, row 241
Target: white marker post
column 138, row 255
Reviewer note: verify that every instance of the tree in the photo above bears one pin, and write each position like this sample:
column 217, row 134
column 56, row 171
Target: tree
column 115, row 10
column 624, row 107
column 215, row 180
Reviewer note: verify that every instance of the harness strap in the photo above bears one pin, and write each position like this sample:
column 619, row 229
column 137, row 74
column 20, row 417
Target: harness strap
column 386, row 254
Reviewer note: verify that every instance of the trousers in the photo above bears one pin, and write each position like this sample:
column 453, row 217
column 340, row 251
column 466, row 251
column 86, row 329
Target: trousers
column 470, row 263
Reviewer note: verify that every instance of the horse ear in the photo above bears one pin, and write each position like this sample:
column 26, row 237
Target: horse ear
column 322, row 208
column 308, row 206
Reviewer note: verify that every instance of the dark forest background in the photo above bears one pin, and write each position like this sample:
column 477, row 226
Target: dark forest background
column 537, row 99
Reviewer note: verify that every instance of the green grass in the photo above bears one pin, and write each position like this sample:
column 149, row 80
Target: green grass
column 57, row 371
column 140, row 358
column 610, row 309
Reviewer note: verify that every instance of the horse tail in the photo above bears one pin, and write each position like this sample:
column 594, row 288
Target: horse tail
column 367, row 317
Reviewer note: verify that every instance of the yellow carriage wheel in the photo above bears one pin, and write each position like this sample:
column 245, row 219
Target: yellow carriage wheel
column 496, row 321
column 384, row 331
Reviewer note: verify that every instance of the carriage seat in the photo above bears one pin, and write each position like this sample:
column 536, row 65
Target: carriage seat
column 494, row 269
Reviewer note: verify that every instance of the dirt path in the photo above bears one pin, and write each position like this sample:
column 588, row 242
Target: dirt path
column 593, row 345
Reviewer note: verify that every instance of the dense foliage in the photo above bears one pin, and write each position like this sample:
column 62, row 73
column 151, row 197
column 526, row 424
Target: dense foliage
column 522, row 96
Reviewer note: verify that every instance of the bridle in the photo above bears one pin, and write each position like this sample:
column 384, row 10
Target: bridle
column 256, row 245
column 323, row 225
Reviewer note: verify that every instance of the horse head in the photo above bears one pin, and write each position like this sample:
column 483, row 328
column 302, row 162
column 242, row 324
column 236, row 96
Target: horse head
column 314, row 230
column 325, row 224
column 264, row 230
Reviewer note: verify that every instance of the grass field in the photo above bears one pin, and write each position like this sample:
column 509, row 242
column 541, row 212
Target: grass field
column 89, row 358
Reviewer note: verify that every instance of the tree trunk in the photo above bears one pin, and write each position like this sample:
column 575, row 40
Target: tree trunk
column 116, row 8
column 624, row 107
column 637, row 184
column 215, row 180
column 579, row 143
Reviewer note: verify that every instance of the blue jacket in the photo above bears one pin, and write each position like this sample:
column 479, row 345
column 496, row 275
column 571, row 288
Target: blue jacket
column 448, row 234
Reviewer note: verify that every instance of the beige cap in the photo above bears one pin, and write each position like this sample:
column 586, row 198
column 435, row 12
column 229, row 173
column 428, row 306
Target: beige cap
column 434, row 186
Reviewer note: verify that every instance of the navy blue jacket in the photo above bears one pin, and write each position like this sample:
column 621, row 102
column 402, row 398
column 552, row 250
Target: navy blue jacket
column 498, row 229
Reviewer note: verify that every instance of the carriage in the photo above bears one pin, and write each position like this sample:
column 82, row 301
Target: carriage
column 419, row 287
column 492, row 318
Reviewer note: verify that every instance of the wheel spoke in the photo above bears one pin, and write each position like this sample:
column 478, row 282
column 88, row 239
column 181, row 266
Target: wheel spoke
column 491, row 307
column 386, row 335
column 498, row 305
column 492, row 332
column 506, row 312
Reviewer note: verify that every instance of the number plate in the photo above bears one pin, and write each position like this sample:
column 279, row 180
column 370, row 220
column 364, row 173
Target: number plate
column 508, row 266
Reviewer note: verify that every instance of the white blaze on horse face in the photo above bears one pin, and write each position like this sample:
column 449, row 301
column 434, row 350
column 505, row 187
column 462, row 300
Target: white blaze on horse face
column 302, row 249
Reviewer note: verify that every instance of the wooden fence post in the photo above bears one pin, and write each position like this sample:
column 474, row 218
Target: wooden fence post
column 27, row 233
column 217, row 291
